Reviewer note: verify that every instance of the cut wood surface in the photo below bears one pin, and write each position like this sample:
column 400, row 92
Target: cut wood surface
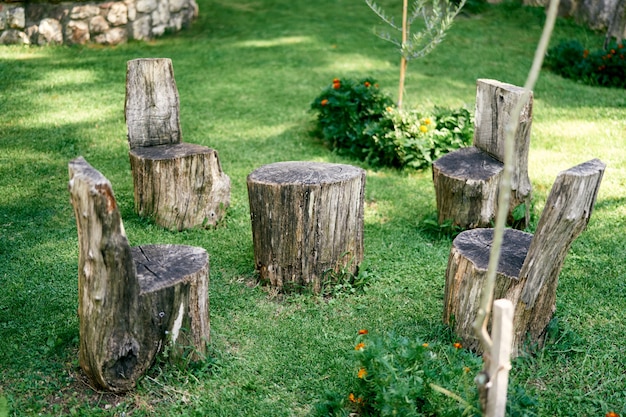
column 133, row 302
column 307, row 220
column 529, row 265
column 179, row 185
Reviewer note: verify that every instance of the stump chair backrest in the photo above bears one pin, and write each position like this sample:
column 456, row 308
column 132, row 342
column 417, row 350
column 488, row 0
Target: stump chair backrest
column 152, row 106
column 566, row 214
column 104, row 257
column 495, row 102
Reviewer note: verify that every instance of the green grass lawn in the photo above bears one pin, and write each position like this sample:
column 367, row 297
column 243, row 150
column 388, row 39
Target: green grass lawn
column 247, row 72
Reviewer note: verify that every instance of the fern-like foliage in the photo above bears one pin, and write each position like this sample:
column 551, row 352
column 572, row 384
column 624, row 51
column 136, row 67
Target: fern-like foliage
column 437, row 16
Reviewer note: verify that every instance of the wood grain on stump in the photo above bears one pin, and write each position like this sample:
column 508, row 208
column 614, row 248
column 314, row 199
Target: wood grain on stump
column 179, row 185
column 133, row 301
column 529, row 265
column 307, row 220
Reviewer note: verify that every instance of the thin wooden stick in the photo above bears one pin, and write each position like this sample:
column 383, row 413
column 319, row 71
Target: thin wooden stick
column 502, row 333
column 484, row 379
column 480, row 325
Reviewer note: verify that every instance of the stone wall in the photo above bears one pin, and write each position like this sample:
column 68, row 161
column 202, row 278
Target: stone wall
column 108, row 23
column 595, row 14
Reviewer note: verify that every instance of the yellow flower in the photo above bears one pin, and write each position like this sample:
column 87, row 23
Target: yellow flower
column 466, row 369
column 427, row 121
column 362, row 373
column 423, row 129
column 359, row 346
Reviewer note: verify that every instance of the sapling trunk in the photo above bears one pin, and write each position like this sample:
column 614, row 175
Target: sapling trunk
column 480, row 325
column 403, row 60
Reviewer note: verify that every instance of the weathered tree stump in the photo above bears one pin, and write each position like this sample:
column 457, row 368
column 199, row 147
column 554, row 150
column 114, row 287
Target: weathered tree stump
column 466, row 190
column 133, row 302
column 467, row 182
column 307, row 222
column 180, row 185
column 529, row 265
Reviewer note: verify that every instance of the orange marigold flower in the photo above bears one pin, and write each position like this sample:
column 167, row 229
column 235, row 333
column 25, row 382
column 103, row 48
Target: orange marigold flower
column 612, row 51
column 466, row 369
column 425, row 345
column 336, row 86
column 585, row 53
column 336, row 80
column 362, row 373
column 351, row 398
column 367, row 84
column 324, row 102
column 612, row 414
column 423, row 129
column 363, row 331
column 457, row 345
column 620, row 46
column 359, row 346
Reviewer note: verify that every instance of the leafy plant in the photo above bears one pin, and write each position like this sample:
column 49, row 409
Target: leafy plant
column 408, row 138
column 600, row 67
column 345, row 282
column 345, row 109
column 398, row 376
column 355, row 118
column 437, row 16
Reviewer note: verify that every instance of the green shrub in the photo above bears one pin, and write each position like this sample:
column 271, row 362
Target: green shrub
column 397, row 376
column 345, row 109
column 357, row 119
column 600, row 67
column 409, row 138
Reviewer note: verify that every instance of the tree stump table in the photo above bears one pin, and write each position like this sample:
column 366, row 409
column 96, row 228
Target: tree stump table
column 307, row 222
column 529, row 265
column 179, row 185
column 466, row 181
column 133, row 301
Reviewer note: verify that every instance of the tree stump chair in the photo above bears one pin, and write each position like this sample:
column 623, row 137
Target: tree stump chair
column 467, row 180
column 529, row 265
column 180, row 185
column 133, row 301
column 307, row 223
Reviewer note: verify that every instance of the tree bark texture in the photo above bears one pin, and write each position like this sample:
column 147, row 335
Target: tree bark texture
column 307, row 222
column 467, row 180
column 180, row 186
column 529, row 265
column 495, row 102
column 132, row 301
column 152, row 103
column 466, row 183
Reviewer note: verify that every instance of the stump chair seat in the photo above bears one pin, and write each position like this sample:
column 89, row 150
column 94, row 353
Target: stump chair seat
column 133, row 301
column 307, row 222
column 529, row 264
column 180, row 185
column 467, row 180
